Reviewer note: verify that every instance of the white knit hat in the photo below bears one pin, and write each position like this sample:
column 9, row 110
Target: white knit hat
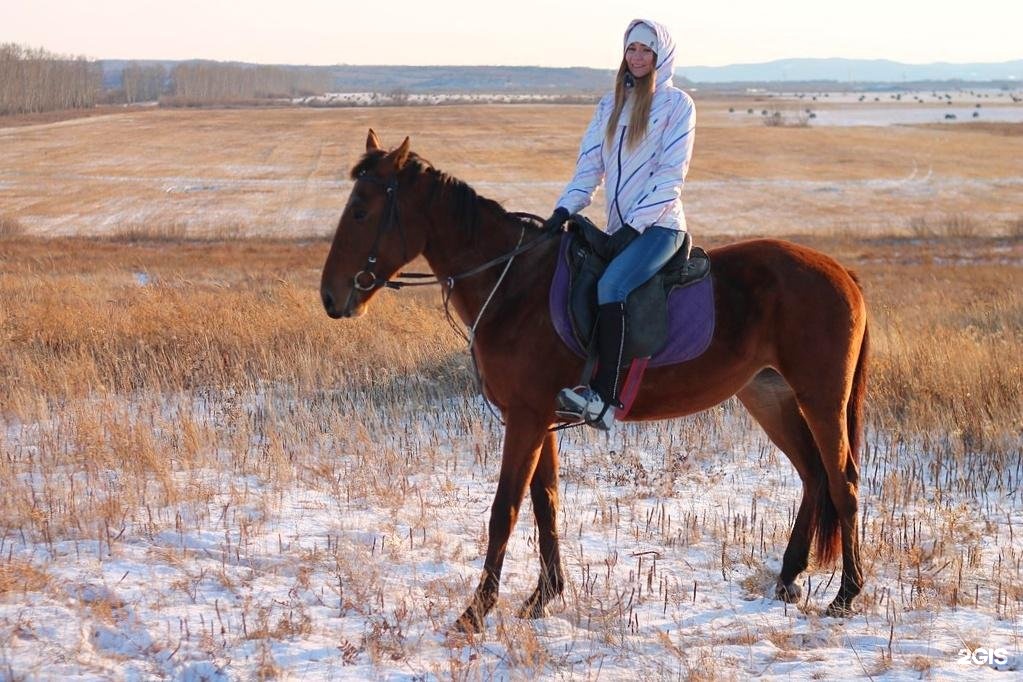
column 642, row 34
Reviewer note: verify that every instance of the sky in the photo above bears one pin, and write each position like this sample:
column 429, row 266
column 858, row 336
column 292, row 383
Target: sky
column 520, row 33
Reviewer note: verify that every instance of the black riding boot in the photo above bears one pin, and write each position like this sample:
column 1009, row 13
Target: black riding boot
column 610, row 349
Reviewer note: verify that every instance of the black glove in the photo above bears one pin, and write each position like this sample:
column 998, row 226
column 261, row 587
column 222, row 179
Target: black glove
column 557, row 220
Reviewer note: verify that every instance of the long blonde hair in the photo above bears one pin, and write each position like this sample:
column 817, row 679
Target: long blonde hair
column 643, row 93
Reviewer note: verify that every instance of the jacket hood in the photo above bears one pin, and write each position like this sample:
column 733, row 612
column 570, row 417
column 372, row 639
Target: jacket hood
column 665, row 51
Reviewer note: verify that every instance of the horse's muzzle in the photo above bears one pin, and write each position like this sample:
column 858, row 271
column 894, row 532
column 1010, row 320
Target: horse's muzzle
column 336, row 309
column 329, row 304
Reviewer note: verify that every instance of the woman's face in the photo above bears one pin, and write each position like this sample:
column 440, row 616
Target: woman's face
column 640, row 59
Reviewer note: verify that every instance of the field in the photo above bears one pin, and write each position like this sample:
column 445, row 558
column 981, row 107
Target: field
column 205, row 478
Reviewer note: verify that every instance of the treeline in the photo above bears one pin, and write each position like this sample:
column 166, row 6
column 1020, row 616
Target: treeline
column 33, row 80
column 206, row 83
column 143, row 82
column 212, row 82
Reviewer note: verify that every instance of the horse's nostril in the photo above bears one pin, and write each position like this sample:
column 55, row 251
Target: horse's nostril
column 328, row 300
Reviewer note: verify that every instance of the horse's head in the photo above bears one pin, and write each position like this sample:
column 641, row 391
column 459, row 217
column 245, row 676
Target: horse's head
column 373, row 239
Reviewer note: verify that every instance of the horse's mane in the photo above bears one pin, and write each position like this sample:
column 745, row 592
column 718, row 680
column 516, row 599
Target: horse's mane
column 465, row 204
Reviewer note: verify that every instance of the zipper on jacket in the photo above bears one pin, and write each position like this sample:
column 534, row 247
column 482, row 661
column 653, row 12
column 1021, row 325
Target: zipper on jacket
column 618, row 178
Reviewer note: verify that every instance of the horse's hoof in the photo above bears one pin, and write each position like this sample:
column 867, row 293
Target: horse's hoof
column 840, row 608
column 469, row 622
column 790, row 593
column 534, row 607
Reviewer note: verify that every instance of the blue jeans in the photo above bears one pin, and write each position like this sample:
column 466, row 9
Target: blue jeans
column 638, row 263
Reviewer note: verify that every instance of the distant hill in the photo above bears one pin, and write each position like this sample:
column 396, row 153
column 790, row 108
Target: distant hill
column 510, row 79
column 581, row 80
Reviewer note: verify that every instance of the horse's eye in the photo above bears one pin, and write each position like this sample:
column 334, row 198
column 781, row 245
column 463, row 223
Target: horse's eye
column 359, row 214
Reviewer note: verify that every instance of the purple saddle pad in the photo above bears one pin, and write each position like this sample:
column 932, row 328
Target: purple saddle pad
column 690, row 315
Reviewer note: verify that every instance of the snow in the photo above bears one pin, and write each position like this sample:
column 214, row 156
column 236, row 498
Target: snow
column 899, row 107
column 853, row 108
column 901, row 96
column 672, row 535
column 400, row 97
column 904, row 114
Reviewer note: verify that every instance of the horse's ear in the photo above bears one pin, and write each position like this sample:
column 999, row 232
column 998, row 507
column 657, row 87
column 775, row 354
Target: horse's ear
column 372, row 142
column 401, row 155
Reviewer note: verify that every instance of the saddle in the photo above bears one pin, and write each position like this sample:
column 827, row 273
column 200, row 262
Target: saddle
column 646, row 308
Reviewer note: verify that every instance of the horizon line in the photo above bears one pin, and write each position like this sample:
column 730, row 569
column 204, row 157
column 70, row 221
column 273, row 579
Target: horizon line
column 541, row 66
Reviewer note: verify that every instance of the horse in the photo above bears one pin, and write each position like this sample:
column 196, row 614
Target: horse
column 790, row 341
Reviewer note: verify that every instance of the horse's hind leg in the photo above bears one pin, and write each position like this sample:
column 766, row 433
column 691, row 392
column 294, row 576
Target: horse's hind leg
column 524, row 433
column 831, row 405
column 829, row 429
column 773, row 404
column 544, row 491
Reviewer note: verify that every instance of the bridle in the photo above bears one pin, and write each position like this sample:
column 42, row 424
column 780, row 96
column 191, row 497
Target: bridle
column 366, row 279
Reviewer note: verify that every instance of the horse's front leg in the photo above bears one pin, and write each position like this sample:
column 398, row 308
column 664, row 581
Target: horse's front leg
column 524, row 433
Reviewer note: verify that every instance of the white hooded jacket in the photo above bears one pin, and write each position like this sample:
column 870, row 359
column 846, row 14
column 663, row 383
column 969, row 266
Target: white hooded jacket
column 643, row 184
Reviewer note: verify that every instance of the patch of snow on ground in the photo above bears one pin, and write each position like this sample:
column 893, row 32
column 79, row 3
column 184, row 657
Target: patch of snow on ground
column 912, row 115
column 401, row 97
column 906, row 107
column 672, row 536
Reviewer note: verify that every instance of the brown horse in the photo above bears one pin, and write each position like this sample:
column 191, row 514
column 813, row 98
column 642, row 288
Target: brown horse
column 790, row 342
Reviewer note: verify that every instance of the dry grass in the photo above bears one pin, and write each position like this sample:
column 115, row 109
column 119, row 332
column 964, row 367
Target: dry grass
column 282, row 172
column 46, row 117
column 948, row 336
column 94, row 318
column 20, row 577
column 10, row 227
column 1003, row 129
column 787, row 120
column 956, row 225
column 88, row 318
column 167, row 232
column 1015, row 228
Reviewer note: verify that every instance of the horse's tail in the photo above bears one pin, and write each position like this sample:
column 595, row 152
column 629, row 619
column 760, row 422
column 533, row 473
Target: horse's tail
column 829, row 529
column 854, row 411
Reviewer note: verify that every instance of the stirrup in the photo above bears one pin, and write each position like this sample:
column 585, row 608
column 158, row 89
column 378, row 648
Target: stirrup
column 571, row 403
column 603, row 420
column 584, row 405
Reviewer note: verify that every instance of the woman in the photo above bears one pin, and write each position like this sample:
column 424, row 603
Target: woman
column 640, row 140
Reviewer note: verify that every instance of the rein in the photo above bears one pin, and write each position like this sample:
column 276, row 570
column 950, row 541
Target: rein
column 493, row 262
column 391, row 218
